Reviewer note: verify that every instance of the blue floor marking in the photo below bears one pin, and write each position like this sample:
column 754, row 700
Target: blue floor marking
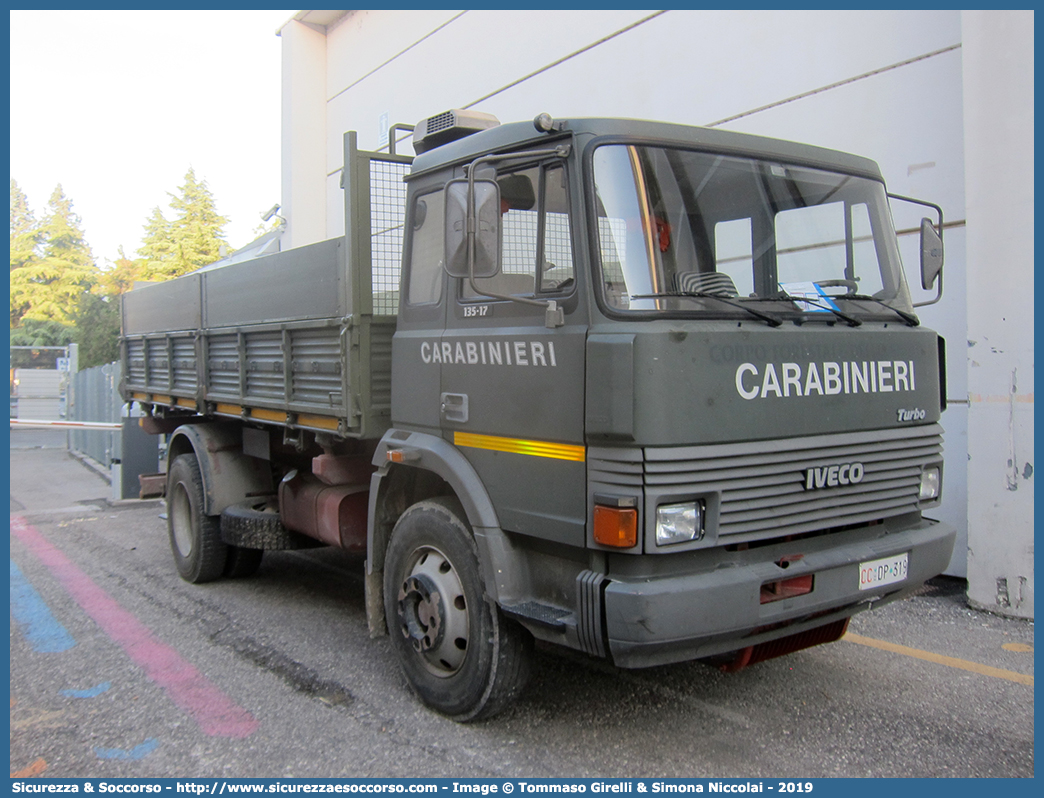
column 89, row 693
column 40, row 627
column 137, row 752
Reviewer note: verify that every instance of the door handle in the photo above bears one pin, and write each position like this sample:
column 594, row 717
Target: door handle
column 455, row 407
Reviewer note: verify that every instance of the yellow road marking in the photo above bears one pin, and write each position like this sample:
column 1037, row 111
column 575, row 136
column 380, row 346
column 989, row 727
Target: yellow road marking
column 1022, row 648
column 951, row 662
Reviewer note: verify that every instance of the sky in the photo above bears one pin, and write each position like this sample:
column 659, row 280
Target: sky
column 116, row 106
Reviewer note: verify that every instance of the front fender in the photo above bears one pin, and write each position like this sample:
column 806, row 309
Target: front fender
column 434, row 454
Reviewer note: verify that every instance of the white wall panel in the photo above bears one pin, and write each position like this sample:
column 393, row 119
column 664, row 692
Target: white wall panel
column 303, row 125
column 364, row 40
column 998, row 129
column 457, row 65
column 697, row 67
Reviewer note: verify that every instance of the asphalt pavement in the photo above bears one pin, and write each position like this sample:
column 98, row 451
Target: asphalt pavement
column 118, row 668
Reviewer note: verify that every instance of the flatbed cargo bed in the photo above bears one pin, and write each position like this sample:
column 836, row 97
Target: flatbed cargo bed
column 300, row 338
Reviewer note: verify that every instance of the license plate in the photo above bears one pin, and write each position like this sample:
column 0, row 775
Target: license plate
column 886, row 571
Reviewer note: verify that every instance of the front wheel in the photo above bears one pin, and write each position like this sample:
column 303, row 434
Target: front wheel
column 458, row 653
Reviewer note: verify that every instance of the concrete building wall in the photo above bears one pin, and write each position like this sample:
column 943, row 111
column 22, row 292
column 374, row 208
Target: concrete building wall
column 998, row 129
column 889, row 85
column 304, row 134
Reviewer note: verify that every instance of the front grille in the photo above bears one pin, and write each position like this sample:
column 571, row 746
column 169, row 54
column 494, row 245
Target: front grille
column 762, row 484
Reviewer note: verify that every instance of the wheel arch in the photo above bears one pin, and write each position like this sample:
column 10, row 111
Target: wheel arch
column 229, row 476
column 431, row 467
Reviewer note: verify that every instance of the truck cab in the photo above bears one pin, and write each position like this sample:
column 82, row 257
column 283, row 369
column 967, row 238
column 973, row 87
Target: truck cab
column 675, row 378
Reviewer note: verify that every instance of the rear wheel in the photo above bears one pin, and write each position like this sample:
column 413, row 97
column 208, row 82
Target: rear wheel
column 195, row 538
column 458, row 653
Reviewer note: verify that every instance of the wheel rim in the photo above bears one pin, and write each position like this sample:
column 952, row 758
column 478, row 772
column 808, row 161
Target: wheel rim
column 181, row 520
column 433, row 612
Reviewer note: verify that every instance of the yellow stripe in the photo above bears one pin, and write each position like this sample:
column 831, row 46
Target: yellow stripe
column 556, row 451
column 162, row 399
column 939, row 659
column 322, row 422
column 267, row 415
column 278, row 416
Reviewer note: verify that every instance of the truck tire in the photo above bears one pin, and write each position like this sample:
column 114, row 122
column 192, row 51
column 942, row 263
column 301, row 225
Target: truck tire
column 459, row 654
column 255, row 524
column 195, row 538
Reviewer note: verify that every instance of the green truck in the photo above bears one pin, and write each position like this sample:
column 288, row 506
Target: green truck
column 652, row 392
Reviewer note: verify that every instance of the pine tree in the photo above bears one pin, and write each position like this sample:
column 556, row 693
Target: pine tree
column 157, row 255
column 49, row 287
column 193, row 239
column 25, row 234
column 36, row 333
column 25, row 238
column 198, row 228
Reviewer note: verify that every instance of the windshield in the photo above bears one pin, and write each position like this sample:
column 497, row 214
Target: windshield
column 682, row 231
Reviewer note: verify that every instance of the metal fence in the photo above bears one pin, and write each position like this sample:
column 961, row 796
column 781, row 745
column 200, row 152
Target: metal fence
column 126, row 452
column 96, row 397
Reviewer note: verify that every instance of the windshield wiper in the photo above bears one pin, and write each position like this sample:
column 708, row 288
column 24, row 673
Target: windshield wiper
column 852, row 321
column 909, row 318
column 772, row 321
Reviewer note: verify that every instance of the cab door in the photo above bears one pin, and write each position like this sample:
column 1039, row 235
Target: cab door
column 416, row 347
column 512, row 396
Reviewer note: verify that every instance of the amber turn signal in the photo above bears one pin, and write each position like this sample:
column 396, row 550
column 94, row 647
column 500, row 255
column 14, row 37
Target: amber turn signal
column 402, row 455
column 616, row 526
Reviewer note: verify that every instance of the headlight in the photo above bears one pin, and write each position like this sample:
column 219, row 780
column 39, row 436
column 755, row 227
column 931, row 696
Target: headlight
column 679, row 523
column 931, row 484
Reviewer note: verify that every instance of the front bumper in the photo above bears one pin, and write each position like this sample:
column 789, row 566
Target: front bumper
column 663, row 619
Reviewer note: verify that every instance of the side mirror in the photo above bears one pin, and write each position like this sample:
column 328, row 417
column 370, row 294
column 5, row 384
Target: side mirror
column 486, row 213
column 931, row 254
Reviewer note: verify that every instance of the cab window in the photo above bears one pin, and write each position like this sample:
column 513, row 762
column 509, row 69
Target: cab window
column 426, row 250
column 536, row 248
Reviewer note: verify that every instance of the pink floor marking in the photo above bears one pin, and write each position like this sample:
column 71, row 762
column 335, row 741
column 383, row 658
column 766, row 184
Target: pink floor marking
column 216, row 714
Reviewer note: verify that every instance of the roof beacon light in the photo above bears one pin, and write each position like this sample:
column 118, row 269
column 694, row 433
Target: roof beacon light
column 544, row 123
